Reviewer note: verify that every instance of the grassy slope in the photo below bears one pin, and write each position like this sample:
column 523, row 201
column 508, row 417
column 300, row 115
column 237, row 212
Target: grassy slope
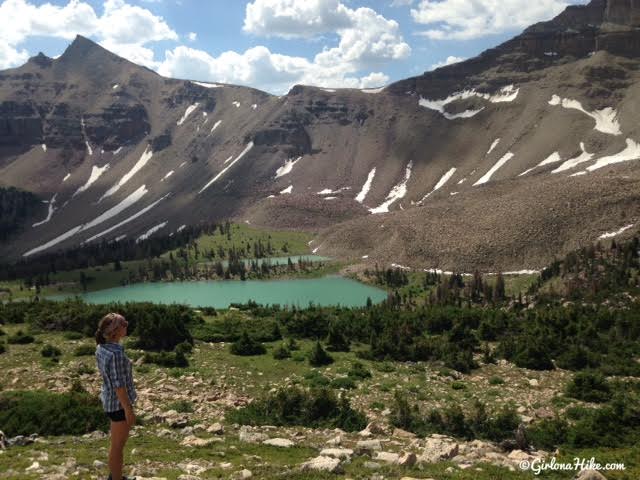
column 213, row 368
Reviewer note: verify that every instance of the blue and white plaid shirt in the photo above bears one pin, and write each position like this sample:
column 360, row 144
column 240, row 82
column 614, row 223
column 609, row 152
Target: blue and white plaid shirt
column 115, row 367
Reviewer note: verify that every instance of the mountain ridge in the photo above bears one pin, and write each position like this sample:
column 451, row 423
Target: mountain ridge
column 122, row 149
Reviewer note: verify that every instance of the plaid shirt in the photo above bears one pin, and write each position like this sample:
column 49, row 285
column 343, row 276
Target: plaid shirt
column 115, row 367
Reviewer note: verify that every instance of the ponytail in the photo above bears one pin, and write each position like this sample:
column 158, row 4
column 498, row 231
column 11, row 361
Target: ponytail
column 106, row 326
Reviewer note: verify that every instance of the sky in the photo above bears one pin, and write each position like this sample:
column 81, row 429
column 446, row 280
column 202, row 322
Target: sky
column 273, row 44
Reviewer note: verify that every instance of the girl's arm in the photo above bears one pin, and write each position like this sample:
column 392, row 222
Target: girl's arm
column 123, row 396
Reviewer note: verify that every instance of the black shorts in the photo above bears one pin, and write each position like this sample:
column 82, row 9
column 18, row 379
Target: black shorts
column 117, row 416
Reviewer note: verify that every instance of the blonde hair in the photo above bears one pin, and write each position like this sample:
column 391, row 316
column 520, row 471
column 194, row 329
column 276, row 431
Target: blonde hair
column 107, row 325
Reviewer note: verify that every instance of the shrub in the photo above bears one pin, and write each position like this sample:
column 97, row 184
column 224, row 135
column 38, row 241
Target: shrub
column 533, row 356
column 345, row 383
column 49, row 351
column 2, row 348
column 247, row 346
column 47, row 413
column 318, row 357
column 548, row 433
column 292, row 345
column 167, row 359
column 316, row 380
column 73, row 336
column 458, row 385
column 2, row 333
column 185, row 348
column 589, row 387
column 20, row 338
column 182, row 406
column 359, row 371
column 281, row 352
column 496, row 381
column 316, row 408
column 336, row 341
column 84, row 350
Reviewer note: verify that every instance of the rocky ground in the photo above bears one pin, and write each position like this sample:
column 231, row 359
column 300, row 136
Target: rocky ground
column 183, row 433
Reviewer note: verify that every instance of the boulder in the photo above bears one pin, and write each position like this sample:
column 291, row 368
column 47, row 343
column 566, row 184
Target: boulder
column 368, row 445
column 279, row 442
column 339, row 453
column 399, row 433
column 438, row 448
column 407, row 459
column 387, row 457
column 216, row 429
column 322, row 464
column 249, row 436
column 193, row 441
column 590, row 475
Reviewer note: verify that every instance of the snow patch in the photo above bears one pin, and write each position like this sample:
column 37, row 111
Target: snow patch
column 401, row 267
column 328, row 90
column 144, row 159
column 499, row 164
column 574, row 162
column 553, row 158
column 52, row 209
column 606, row 119
column 242, row 154
column 366, row 187
column 364, row 257
column 208, row 85
column 150, row 232
column 130, row 219
column 441, row 183
column 372, row 90
column 96, row 173
column 578, row 174
column 397, row 192
column 287, row 190
column 189, row 111
column 616, row 233
column 493, row 145
column 287, row 167
column 89, row 149
column 328, row 191
column 631, row 152
column 228, row 160
column 115, row 152
column 112, row 212
column 44, row 147
column 167, row 175
column 216, row 125
column 330, row 198
column 236, row 104
column 506, row 94
column 180, row 228
column 66, row 177
column 120, row 238
column 182, row 164
column 254, row 106
column 115, row 87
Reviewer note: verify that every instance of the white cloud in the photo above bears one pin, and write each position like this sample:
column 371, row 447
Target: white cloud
column 450, row 60
column 468, row 19
column 260, row 68
column 10, row 57
column 123, row 28
column 366, row 41
column 192, row 36
column 366, row 38
column 401, row 3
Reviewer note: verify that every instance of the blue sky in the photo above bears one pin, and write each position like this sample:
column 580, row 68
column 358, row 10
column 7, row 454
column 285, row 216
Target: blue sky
column 273, row 44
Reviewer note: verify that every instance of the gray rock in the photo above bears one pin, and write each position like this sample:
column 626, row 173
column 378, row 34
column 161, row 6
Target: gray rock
column 249, row 436
column 216, row 429
column 368, row 446
column 407, row 459
column 279, row 442
column 387, row 457
column 322, row 464
column 590, row 475
column 339, row 453
column 372, row 465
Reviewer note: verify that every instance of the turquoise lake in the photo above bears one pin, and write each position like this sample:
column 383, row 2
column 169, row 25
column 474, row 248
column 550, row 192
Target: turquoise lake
column 331, row 290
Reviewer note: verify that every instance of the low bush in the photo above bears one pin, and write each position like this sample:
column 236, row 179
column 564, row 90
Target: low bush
column 589, row 387
column 359, row 371
column 20, row 338
column 548, row 434
column 84, row 350
column 73, row 336
column 343, row 383
column 47, row 413
column 49, row 351
column 318, row 357
column 2, row 348
column 315, row 379
column 182, row 406
column 316, row 408
column 281, row 352
column 167, row 359
column 247, row 346
column 496, row 381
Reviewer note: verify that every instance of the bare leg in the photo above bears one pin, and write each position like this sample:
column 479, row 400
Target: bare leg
column 119, row 436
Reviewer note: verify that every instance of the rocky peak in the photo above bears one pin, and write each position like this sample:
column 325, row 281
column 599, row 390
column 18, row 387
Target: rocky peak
column 41, row 60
